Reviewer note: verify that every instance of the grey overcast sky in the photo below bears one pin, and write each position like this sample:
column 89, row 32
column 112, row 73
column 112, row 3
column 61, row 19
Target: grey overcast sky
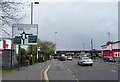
column 76, row 22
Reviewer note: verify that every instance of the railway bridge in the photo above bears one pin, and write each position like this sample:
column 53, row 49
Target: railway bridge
column 90, row 52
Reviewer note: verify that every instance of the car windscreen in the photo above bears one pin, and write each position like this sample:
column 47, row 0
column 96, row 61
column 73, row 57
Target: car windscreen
column 85, row 58
column 111, row 58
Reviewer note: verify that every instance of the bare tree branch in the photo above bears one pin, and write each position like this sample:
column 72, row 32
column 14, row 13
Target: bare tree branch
column 9, row 12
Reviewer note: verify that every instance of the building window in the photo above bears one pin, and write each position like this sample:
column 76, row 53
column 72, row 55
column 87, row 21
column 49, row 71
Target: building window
column 6, row 45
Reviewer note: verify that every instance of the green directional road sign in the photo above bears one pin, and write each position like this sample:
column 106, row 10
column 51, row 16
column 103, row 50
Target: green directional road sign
column 32, row 39
column 16, row 41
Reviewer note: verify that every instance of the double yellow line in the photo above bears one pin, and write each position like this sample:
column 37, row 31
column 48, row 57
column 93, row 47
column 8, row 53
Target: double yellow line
column 45, row 73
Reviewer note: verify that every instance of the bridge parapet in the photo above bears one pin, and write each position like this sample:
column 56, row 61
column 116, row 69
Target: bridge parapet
column 79, row 51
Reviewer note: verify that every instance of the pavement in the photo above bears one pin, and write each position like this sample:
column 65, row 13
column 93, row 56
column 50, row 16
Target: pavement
column 35, row 72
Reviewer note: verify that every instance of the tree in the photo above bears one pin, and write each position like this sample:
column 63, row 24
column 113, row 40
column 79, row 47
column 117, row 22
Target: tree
column 44, row 46
column 22, row 51
column 47, row 45
column 50, row 51
column 10, row 12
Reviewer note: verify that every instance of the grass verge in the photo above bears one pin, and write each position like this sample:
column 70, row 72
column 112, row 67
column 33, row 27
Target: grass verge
column 2, row 71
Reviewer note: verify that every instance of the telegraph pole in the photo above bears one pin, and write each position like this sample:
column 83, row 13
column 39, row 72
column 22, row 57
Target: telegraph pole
column 91, row 44
column 55, row 44
column 91, row 48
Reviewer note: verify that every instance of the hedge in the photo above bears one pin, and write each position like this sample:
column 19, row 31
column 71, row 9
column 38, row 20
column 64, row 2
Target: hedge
column 33, row 58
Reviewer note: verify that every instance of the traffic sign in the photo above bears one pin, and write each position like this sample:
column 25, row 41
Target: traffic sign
column 16, row 41
column 25, row 33
column 32, row 39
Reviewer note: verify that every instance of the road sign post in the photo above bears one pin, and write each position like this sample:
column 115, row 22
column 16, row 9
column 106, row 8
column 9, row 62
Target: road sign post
column 38, row 49
column 24, row 34
column 19, row 57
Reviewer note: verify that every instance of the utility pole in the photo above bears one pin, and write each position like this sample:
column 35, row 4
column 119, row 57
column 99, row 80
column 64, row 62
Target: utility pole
column 91, row 48
column 91, row 44
column 55, row 44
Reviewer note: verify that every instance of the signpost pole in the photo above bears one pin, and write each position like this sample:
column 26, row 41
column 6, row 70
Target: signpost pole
column 38, row 49
column 11, row 54
column 23, row 34
column 19, row 57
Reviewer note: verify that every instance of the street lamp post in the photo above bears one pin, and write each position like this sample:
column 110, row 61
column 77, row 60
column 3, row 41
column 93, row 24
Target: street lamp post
column 32, row 16
column 55, row 43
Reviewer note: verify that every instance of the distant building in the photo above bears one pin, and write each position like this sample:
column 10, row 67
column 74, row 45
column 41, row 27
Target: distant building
column 111, row 49
column 7, row 54
column 5, row 44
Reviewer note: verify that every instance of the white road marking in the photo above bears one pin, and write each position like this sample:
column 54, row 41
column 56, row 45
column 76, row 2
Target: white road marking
column 113, row 71
column 77, row 80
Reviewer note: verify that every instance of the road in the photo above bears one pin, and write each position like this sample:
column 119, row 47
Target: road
column 65, row 70
column 69, row 70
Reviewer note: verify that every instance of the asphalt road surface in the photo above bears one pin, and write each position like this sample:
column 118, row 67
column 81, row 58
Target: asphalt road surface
column 69, row 70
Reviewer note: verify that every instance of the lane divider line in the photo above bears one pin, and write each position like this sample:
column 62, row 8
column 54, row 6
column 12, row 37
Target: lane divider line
column 73, row 75
column 45, row 74
column 113, row 70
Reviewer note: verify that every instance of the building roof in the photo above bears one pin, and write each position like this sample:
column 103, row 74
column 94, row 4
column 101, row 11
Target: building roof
column 110, row 42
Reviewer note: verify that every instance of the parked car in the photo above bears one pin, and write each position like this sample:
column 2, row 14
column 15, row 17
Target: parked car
column 109, row 59
column 56, row 57
column 85, row 61
column 69, row 58
column 62, row 58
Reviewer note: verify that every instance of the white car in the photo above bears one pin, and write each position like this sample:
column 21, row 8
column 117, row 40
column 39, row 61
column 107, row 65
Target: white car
column 85, row 61
column 69, row 58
